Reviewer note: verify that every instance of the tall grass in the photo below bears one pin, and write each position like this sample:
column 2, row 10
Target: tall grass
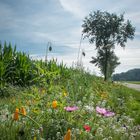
column 16, row 68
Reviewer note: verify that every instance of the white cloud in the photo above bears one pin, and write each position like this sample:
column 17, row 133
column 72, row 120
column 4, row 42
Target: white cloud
column 129, row 57
column 76, row 7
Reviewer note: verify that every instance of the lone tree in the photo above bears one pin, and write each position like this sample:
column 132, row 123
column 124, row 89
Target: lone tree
column 105, row 30
column 100, row 61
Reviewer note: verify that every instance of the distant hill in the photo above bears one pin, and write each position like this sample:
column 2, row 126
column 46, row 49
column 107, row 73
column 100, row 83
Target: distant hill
column 131, row 75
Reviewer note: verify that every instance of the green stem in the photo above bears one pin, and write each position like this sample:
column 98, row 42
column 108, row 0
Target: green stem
column 30, row 119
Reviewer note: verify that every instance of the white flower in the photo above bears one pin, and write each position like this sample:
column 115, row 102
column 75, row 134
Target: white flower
column 110, row 138
column 58, row 134
column 105, row 138
column 99, row 130
column 89, row 108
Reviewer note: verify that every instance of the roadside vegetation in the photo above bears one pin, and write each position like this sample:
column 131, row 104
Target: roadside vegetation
column 48, row 101
column 133, row 82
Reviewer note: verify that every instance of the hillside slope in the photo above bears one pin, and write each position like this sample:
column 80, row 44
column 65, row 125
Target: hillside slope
column 84, row 105
column 46, row 101
column 131, row 75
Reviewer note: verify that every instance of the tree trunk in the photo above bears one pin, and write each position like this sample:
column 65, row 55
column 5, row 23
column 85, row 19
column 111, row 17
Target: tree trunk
column 106, row 66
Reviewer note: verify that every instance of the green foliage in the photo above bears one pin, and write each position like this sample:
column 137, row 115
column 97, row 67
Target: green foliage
column 100, row 61
column 106, row 30
column 16, row 68
column 133, row 82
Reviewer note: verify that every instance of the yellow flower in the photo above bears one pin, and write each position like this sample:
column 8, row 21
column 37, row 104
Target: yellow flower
column 33, row 101
column 42, row 90
column 13, row 100
column 16, row 115
column 104, row 95
column 68, row 135
column 54, row 104
column 65, row 94
column 34, row 138
column 23, row 111
column 36, row 110
column 28, row 102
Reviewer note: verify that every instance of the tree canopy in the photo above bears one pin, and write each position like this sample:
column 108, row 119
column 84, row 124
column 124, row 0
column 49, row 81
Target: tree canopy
column 106, row 30
column 101, row 58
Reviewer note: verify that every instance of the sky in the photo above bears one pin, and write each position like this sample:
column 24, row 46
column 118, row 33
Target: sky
column 31, row 24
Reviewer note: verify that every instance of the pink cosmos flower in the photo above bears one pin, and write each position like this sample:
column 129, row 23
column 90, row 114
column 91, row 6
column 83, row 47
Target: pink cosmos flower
column 104, row 112
column 100, row 110
column 71, row 108
column 109, row 114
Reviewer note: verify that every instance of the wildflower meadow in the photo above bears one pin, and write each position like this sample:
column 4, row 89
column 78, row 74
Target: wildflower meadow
column 48, row 101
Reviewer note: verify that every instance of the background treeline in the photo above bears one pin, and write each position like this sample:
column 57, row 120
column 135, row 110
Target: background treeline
column 131, row 75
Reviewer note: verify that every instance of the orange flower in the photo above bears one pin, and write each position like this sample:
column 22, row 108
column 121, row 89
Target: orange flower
column 23, row 111
column 68, row 135
column 16, row 115
column 54, row 104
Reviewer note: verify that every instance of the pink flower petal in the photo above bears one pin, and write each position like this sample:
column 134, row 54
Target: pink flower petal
column 71, row 108
column 109, row 114
column 104, row 112
column 101, row 110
